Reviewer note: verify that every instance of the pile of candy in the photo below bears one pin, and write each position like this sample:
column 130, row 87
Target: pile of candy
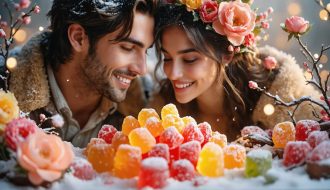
column 155, row 148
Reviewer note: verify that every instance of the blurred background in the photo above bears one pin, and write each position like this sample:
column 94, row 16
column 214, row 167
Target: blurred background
column 309, row 9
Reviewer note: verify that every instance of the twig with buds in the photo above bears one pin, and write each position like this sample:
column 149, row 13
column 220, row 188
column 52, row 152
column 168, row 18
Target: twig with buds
column 321, row 4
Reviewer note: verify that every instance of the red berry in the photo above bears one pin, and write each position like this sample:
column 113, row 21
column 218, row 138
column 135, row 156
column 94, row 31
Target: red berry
column 190, row 151
column 107, row 132
column 295, row 153
column 182, row 170
column 192, row 132
column 304, row 127
column 82, row 169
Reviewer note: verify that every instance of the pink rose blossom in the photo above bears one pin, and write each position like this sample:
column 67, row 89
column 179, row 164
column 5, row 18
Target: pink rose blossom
column 36, row 9
column 45, row 157
column 264, row 25
column 270, row 63
column 2, row 33
column 253, row 85
column 26, row 20
column 24, row 4
column 209, row 11
column 296, row 24
column 236, row 20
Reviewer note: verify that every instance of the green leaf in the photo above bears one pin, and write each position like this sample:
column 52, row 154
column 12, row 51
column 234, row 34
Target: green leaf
column 283, row 27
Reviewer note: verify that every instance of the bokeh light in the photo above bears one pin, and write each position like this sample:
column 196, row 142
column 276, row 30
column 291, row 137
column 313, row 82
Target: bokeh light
column 294, row 9
column 324, row 15
column 324, row 59
column 20, row 36
column 11, row 63
column 269, row 109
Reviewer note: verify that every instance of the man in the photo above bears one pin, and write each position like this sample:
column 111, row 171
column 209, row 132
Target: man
column 85, row 65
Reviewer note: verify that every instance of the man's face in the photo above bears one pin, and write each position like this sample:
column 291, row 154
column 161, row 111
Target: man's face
column 111, row 67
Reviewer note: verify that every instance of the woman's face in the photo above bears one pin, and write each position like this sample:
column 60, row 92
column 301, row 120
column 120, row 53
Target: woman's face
column 191, row 73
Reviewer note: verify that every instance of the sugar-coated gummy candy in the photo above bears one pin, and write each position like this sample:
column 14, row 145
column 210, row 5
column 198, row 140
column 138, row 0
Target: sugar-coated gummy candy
column 173, row 120
column 304, row 127
column 129, row 124
column 145, row 114
column 283, row 133
column 295, row 153
column 234, row 156
column 107, row 132
column 82, row 169
column 169, row 109
column 182, row 170
column 127, row 161
column 210, row 162
column 160, row 150
column 154, row 173
column 188, row 119
column 320, row 152
column 206, row 130
column 154, row 125
column 190, row 151
column 192, row 132
column 101, row 157
column 247, row 130
column 219, row 139
column 171, row 137
column 118, row 139
column 142, row 138
column 258, row 162
column 316, row 137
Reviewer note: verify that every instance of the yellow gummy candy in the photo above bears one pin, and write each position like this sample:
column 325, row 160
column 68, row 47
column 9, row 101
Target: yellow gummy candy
column 142, row 138
column 210, row 162
column 145, row 114
column 169, row 109
column 129, row 124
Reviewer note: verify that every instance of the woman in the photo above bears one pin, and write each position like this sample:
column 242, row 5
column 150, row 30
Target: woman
column 208, row 81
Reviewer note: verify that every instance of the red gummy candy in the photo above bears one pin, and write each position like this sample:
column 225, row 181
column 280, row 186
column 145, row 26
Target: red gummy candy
column 206, row 130
column 304, row 127
column 295, row 153
column 247, row 130
column 192, row 132
column 171, row 137
column 107, row 132
column 153, row 173
column 320, row 152
column 83, row 169
column 182, row 170
column 190, row 151
column 316, row 137
column 160, row 150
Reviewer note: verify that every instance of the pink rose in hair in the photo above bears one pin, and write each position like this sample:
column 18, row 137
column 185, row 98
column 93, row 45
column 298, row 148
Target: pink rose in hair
column 296, row 24
column 209, row 11
column 236, row 20
column 270, row 63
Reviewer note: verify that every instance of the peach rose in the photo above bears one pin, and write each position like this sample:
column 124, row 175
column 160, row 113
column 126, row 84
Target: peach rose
column 296, row 24
column 193, row 4
column 45, row 157
column 8, row 107
column 236, row 20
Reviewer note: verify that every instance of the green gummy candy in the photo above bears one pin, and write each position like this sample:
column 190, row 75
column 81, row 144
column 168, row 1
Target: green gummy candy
column 258, row 162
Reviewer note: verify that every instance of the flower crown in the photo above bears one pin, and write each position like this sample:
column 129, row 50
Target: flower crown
column 231, row 18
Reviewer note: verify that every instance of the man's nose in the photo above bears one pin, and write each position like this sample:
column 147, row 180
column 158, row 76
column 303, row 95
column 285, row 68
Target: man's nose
column 140, row 65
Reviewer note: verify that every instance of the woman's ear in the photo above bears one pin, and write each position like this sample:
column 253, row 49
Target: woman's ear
column 77, row 37
column 226, row 59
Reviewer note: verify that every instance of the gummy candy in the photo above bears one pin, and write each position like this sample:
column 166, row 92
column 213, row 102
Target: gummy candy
column 258, row 162
column 154, row 125
column 171, row 137
column 154, row 173
column 316, row 137
column 219, row 139
column 320, row 152
column 169, row 109
column 283, row 133
column 188, row 119
column 206, row 130
column 247, row 130
column 127, row 161
column 182, row 170
column 295, row 153
column 192, row 132
column 174, row 154
column 107, row 132
column 210, row 162
column 190, row 151
column 118, row 139
column 101, row 155
column 234, row 156
column 82, row 169
column 145, row 114
column 160, row 150
column 304, row 127
column 173, row 120
column 129, row 124
column 142, row 138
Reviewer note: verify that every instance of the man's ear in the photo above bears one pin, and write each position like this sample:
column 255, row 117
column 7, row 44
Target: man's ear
column 77, row 37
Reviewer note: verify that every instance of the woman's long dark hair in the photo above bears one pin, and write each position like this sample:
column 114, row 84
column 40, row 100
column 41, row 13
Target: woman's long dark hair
column 244, row 67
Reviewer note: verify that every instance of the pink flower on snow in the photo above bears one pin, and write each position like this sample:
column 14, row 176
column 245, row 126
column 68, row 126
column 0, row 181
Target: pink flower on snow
column 253, row 85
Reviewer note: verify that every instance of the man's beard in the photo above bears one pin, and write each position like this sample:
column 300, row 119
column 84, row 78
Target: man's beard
column 99, row 77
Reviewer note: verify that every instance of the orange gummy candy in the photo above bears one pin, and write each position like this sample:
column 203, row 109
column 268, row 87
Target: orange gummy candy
column 92, row 142
column 118, row 139
column 129, row 124
column 127, row 161
column 142, row 138
column 234, row 156
column 173, row 120
column 210, row 162
column 145, row 114
column 283, row 133
column 154, row 125
column 169, row 109
column 219, row 139
column 101, row 157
